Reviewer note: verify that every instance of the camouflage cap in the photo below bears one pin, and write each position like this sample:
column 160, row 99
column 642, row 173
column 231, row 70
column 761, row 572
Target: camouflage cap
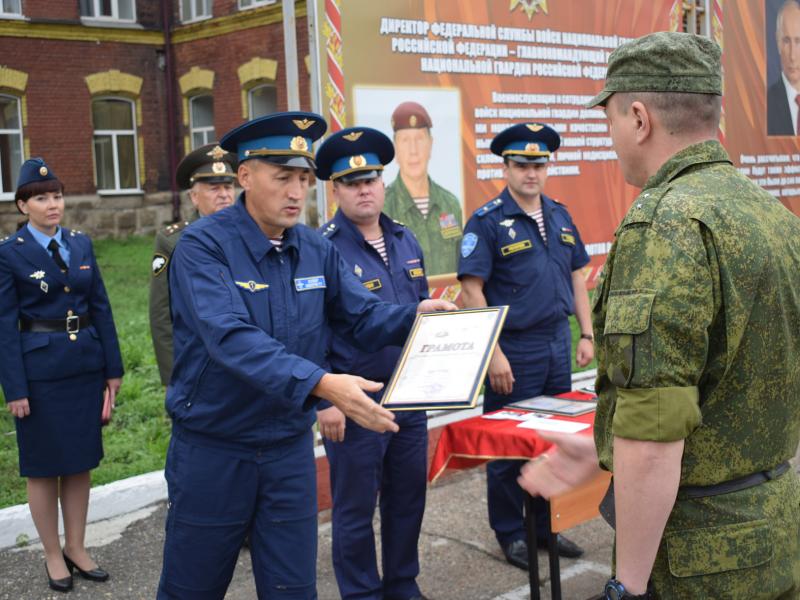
column 666, row 61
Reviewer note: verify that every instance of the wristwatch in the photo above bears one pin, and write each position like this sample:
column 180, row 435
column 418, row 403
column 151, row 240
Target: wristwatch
column 587, row 336
column 614, row 590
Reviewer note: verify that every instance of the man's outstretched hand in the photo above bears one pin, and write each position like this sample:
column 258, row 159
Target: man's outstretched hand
column 346, row 392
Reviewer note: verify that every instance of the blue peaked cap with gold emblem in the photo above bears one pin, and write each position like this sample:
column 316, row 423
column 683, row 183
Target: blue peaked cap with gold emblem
column 34, row 170
column 281, row 138
column 526, row 143
column 354, row 153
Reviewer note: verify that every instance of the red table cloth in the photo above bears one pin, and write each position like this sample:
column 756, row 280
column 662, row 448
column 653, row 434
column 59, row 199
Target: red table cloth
column 469, row 443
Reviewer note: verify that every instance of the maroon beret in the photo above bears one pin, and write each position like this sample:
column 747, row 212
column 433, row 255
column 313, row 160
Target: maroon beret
column 411, row 115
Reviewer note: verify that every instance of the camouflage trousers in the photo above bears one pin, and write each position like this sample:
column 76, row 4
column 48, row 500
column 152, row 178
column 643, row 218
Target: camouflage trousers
column 745, row 544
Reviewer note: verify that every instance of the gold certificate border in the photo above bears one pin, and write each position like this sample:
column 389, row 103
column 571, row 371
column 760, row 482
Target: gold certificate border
column 501, row 311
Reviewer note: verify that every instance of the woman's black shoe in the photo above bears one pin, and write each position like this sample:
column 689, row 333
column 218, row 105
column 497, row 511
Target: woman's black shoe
column 59, row 585
column 97, row 574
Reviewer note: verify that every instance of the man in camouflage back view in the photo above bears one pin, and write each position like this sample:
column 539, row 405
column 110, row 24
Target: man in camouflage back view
column 697, row 326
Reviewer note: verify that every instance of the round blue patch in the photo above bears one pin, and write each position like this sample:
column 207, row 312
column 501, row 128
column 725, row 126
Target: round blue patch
column 468, row 244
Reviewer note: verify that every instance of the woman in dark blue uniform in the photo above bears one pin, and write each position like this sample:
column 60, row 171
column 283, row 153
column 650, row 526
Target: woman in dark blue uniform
column 61, row 359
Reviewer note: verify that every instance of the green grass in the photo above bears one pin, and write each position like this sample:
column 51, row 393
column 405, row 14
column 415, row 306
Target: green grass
column 136, row 440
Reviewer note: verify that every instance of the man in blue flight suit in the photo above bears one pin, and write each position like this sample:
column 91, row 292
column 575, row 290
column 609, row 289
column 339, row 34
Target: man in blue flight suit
column 522, row 249
column 387, row 259
column 255, row 298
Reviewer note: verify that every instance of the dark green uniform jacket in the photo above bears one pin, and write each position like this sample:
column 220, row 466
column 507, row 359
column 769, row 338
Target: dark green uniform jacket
column 697, row 322
column 439, row 234
column 160, row 318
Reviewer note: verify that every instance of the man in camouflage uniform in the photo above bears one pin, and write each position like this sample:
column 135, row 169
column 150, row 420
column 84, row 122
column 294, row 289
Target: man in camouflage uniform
column 413, row 198
column 696, row 321
column 209, row 174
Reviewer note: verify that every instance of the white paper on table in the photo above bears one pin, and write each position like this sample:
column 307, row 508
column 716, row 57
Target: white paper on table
column 553, row 425
column 507, row 415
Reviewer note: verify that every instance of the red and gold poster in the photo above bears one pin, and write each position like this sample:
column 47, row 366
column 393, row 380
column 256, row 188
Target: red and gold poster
column 479, row 67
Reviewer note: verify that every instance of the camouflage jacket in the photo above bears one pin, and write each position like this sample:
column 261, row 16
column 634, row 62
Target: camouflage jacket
column 697, row 320
column 439, row 233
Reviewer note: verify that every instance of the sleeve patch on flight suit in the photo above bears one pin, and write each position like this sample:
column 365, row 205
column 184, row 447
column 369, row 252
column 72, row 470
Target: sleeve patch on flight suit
column 468, row 244
column 518, row 247
column 568, row 239
column 252, row 286
column 373, row 284
column 159, row 264
column 416, row 273
column 302, row 284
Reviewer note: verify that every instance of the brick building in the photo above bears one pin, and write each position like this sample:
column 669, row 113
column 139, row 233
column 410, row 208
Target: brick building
column 112, row 93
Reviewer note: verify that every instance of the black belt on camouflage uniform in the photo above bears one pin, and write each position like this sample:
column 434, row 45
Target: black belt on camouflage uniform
column 607, row 509
column 71, row 324
column 733, row 485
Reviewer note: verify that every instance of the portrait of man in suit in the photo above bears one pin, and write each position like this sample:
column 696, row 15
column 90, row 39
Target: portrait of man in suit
column 783, row 94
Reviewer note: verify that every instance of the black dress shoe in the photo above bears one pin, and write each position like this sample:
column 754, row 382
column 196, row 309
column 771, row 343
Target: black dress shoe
column 96, row 574
column 517, row 554
column 59, row 585
column 566, row 548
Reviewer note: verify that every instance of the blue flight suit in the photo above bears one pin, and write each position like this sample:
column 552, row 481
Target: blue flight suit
column 63, row 378
column 368, row 463
column 252, row 324
column 503, row 247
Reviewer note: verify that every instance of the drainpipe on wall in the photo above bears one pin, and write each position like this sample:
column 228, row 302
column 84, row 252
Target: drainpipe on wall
column 169, row 75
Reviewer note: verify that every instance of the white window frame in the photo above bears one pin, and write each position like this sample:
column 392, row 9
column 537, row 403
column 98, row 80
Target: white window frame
column 115, row 133
column 255, row 4
column 9, row 195
column 193, row 17
column 204, row 130
column 114, row 12
column 250, row 97
column 11, row 15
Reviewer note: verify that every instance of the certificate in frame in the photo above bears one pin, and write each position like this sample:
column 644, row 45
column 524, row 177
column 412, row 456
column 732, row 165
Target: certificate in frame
column 445, row 359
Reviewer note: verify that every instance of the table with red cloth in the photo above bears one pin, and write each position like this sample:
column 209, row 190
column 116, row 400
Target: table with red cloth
column 471, row 442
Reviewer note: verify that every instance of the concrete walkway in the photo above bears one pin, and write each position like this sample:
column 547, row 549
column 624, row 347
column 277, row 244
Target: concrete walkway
column 459, row 557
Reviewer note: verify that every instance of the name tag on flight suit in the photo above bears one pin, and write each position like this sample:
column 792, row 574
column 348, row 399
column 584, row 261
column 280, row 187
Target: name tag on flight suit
column 373, row 284
column 518, row 247
column 303, row 284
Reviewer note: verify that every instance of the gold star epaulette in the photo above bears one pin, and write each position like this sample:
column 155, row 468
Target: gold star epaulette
column 489, row 207
column 175, row 227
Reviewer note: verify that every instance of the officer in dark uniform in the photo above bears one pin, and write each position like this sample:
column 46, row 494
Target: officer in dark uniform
column 386, row 257
column 209, row 173
column 522, row 249
column 255, row 297
column 61, row 367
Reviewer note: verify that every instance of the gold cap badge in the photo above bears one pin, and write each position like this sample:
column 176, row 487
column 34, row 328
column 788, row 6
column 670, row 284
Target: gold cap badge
column 217, row 153
column 357, row 161
column 412, row 120
column 534, row 127
column 303, row 124
column 43, row 171
column 532, row 147
column 353, row 136
column 299, row 143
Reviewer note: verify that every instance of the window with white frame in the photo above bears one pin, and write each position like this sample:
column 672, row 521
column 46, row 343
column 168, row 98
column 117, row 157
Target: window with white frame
column 115, row 152
column 201, row 120
column 116, row 10
column 262, row 100
column 10, row 145
column 10, row 8
column 254, row 3
column 194, row 10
